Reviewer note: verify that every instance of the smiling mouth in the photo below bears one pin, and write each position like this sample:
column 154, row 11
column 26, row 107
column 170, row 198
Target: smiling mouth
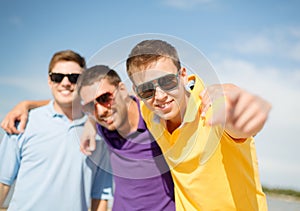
column 65, row 92
column 164, row 105
column 107, row 120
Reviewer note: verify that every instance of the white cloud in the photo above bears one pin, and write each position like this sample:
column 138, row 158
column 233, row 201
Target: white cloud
column 294, row 31
column 186, row 4
column 258, row 44
column 278, row 173
column 295, row 51
column 279, row 42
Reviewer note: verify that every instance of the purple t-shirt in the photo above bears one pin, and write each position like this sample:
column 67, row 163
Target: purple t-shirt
column 142, row 177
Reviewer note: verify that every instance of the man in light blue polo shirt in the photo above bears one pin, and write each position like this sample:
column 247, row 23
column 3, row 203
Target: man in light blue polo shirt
column 45, row 162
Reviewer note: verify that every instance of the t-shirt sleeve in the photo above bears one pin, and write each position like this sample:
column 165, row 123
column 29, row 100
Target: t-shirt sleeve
column 9, row 159
column 102, row 187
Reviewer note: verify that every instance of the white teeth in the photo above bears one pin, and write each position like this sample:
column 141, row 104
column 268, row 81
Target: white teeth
column 65, row 92
column 163, row 105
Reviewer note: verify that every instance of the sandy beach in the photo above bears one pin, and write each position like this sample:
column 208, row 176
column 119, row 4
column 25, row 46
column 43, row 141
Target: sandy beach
column 283, row 202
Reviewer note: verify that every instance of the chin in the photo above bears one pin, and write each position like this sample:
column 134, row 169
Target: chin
column 110, row 127
column 167, row 116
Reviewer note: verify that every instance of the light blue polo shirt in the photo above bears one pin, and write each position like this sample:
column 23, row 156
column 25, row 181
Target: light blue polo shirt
column 49, row 170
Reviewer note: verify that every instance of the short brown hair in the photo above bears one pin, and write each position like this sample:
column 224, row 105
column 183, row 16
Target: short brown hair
column 149, row 51
column 95, row 74
column 66, row 55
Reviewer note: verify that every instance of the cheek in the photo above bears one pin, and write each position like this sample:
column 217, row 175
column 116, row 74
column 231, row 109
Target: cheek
column 53, row 87
column 149, row 103
column 179, row 93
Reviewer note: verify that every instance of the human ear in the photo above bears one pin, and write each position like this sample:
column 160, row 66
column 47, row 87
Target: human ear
column 183, row 72
column 49, row 82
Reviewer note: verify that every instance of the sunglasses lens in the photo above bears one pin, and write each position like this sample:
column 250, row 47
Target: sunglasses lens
column 168, row 82
column 56, row 77
column 145, row 90
column 73, row 78
column 105, row 99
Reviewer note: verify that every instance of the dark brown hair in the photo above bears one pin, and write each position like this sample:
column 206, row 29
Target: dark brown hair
column 149, row 51
column 66, row 55
column 95, row 74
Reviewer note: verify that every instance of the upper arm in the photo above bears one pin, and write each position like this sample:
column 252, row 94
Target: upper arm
column 9, row 159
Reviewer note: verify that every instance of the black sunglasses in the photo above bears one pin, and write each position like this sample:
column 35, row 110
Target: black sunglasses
column 58, row 77
column 105, row 100
column 167, row 83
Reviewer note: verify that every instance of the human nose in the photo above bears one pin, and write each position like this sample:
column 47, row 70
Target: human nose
column 101, row 110
column 159, row 93
column 65, row 81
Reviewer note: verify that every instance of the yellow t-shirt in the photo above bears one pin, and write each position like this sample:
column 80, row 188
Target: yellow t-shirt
column 210, row 170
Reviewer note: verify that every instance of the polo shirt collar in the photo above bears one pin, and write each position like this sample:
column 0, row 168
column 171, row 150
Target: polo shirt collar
column 54, row 114
column 194, row 99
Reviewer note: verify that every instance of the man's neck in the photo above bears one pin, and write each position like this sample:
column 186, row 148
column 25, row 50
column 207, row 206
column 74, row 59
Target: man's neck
column 173, row 124
column 72, row 112
column 132, row 121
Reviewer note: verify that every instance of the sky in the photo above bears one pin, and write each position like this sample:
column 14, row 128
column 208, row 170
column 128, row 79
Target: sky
column 254, row 44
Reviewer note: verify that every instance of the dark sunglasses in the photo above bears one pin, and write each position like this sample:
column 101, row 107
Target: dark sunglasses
column 167, row 83
column 105, row 100
column 58, row 77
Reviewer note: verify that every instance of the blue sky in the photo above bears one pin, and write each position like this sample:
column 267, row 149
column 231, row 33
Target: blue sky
column 254, row 44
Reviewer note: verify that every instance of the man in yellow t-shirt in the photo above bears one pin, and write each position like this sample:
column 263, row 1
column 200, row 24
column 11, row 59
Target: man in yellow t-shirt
column 208, row 140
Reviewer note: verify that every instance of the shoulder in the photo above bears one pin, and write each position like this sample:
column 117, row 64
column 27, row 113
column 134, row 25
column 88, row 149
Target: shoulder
column 39, row 111
column 9, row 140
column 39, row 115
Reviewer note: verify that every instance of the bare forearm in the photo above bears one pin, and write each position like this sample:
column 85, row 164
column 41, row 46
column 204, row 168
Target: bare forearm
column 4, row 189
column 99, row 205
column 31, row 104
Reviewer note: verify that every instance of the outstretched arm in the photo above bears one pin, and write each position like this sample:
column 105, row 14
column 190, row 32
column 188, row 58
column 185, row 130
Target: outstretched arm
column 20, row 114
column 242, row 113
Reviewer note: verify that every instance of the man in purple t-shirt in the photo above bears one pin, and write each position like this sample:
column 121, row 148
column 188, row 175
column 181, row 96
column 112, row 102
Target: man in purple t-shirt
column 142, row 177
